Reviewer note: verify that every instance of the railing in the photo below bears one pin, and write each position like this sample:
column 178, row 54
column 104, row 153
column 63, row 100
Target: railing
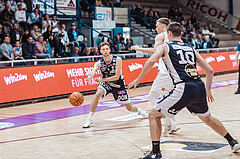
column 124, row 55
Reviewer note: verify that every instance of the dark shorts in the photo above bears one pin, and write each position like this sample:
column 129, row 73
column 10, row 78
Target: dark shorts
column 118, row 90
column 190, row 94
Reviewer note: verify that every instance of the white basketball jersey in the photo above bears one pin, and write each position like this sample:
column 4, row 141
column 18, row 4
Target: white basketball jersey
column 161, row 66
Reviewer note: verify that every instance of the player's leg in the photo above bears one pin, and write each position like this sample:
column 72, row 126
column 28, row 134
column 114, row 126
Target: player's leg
column 218, row 127
column 132, row 108
column 89, row 122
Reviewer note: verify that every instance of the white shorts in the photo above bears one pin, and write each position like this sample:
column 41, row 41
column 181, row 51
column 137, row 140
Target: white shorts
column 162, row 84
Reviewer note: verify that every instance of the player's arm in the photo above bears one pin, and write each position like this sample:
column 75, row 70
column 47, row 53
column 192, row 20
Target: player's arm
column 209, row 75
column 236, row 58
column 160, row 52
column 117, row 72
column 159, row 39
column 92, row 73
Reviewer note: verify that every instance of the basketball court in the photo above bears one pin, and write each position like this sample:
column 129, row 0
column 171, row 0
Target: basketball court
column 53, row 129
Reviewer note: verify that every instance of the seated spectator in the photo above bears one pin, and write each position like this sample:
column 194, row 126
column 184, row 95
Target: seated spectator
column 62, row 43
column 200, row 40
column 17, row 51
column 205, row 32
column 49, row 36
column 179, row 15
column 40, row 48
column 75, row 54
column 207, row 44
column 8, row 16
column 45, row 23
column 25, row 35
column 129, row 44
column 34, row 19
column 24, row 6
column 85, row 9
column 35, row 33
column 189, row 26
column 48, row 49
column 212, row 36
column 119, row 43
column 2, row 3
column 184, row 35
column 15, row 34
column 65, row 39
column 6, row 50
column 40, row 13
column 77, row 38
column 20, row 16
column 151, row 22
column 111, row 43
column 156, row 16
column 194, row 21
column 99, row 3
column 172, row 13
column 28, row 49
column 13, row 5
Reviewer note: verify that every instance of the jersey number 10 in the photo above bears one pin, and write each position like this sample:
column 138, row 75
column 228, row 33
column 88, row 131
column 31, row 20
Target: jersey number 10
column 186, row 57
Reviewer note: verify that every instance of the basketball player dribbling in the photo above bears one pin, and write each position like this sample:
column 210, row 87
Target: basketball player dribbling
column 163, row 83
column 189, row 90
column 111, row 82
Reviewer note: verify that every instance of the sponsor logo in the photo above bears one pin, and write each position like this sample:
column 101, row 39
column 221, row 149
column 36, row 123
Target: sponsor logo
column 232, row 57
column 210, row 59
column 6, row 125
column 135, row 66
column 122, row 92
column 14, row 78
column 220, row 58
column 43, row 75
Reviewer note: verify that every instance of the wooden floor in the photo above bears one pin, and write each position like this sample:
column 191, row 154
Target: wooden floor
column 66, row 139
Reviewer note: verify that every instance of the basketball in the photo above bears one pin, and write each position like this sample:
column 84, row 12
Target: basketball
column 76, row 99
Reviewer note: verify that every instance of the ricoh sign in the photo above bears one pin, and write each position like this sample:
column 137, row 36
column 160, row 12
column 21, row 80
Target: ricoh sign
column 213, row 12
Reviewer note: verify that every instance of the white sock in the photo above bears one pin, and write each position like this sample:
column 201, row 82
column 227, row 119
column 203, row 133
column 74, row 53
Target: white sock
column 90, row 115
column 139, row 110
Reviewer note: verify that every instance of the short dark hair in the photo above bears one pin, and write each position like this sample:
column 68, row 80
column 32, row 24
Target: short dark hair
column 165, row 21
column 103, row 44
column 175, row 28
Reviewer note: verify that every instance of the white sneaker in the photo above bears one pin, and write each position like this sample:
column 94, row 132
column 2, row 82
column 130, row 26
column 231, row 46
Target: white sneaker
column 235, row 145
column 166, row 130
column 88, row 123
column 174, row 127
column 143, row 113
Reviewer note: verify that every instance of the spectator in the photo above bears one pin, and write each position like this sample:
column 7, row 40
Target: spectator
column 15, row 34
column 20, row 16
column 144, row 20
column 129, row 44
column 94, row 51
column 25, row 35
column 133, row 12
column 156, row 16
column 65, row 38
column 55, row 24
column 40, row 48
column 34, row 19
column 150, row 10
column 40, row 13
column 6, row 50
column 111, row 44
column 207, row 44
column 8, row 16
column 151, row 22
column 194, row 21
column 77, row 38
column 199, row 38
column 99, row 3
column 184, row 35
column 205, row 32
column 13, row 5
column 28, row 49
column 24, row 6
column 172, row 13
column 189, row 26
column 62, row 43
column 179, row 15
column 35, row 33
column 48, row 36
column 2, row 3
column 75, row 54
column 17, row 51
column 212, row 36
column 45, row 23
column 85, row 9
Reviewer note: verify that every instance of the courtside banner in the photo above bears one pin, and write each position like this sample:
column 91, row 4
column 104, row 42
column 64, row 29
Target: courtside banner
column 42, row 81
column 50, row 80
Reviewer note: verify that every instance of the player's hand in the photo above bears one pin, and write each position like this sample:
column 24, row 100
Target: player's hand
column 135, row 47
column 98, row 79
column 209, row 96
column 235, row 64
column 133, row 84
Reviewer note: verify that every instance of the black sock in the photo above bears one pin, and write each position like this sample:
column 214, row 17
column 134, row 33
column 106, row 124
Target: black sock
column 155, row 146
column 228, row 137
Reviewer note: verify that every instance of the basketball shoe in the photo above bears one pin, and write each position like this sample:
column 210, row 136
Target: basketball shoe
column 143, row 113
column 152, row 155
column 235, row 145
column 88, row 123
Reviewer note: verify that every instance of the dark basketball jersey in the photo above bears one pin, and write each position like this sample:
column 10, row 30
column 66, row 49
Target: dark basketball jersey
column 181, row 62
column 108, row 70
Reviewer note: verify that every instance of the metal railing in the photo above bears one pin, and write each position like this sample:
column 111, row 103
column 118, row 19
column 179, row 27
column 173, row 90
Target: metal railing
column 65, row 60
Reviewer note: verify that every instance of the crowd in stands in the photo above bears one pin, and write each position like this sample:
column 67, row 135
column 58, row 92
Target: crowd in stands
column 35, row 35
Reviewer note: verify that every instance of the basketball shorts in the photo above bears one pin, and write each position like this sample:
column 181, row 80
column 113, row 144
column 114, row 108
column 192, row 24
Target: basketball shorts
column 190, row 94
column 118, row 90
column 162, row 84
